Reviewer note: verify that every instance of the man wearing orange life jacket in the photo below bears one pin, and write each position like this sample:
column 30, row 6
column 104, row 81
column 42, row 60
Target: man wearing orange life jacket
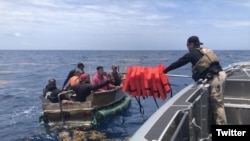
column 205, row 65
column 80, row 66
column 75, row 79
column 99, row 78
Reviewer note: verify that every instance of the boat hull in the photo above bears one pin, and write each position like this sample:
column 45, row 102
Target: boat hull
column 85, row 115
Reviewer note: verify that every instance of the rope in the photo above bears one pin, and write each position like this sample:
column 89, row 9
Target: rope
column 171, row 91
column 156, row 102
column 140, row 106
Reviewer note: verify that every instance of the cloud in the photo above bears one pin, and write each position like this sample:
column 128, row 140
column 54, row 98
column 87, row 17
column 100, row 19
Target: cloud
column 232, row 24
column 53, row 10
column 168, row 4
column 17, row 34
column 244, row 3
column 220, row 23
column 95, row 23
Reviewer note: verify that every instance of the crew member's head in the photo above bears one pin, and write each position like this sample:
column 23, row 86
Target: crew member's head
column 193, row 42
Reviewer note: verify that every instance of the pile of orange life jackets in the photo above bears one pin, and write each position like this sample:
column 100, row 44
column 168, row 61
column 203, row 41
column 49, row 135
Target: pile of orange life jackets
column 146, row 81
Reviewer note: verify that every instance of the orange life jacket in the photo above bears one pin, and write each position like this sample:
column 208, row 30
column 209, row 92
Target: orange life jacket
column 132, row 86
column 125, row 87
column 147, row 81
column 73, row 80
column 142, row 83
column 159, row 84
column 150, row 81
column 164, row 78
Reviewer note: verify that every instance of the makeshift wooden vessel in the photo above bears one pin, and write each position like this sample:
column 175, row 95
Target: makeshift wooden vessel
column 185, row 116
column 85, row 115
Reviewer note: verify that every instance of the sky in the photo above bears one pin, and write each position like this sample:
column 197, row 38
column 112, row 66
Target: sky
column 123, row 24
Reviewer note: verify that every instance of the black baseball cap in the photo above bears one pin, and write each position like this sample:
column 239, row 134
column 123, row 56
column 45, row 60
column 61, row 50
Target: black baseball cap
column 195, row 40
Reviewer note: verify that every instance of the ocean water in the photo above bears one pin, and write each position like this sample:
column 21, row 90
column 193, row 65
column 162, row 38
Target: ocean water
column 24, row 74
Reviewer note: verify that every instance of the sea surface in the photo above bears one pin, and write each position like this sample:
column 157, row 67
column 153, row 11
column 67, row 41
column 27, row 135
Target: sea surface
column 24, row 74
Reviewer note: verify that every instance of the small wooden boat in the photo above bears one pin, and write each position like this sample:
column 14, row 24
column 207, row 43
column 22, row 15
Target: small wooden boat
column 185, row 116
column 88, row 114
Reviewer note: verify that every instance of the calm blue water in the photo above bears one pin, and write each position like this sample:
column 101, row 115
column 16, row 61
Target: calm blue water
column 23, row 75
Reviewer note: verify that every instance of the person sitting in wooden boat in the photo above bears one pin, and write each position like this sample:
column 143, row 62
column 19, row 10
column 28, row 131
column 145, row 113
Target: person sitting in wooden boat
column 51, row 92
column 99, row 78
column 80, row 66
column 84, row 87
column 74, row 79
column 114, row 74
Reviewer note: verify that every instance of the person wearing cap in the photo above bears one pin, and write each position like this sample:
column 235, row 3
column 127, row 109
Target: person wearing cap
column 80, row 66
column 114, row 74
column 99, row 78
column 205, row 65
column 51, row 92
column 84, row 87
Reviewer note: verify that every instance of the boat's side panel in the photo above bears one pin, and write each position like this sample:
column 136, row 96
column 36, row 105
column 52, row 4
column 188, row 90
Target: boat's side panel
column 237, row 89
column 237, row 114
column 74, row 114
column 184, row 107
column 101, row 99
column 170, row 118
column 75, row 105
column 104, row 98
column 237, row 94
